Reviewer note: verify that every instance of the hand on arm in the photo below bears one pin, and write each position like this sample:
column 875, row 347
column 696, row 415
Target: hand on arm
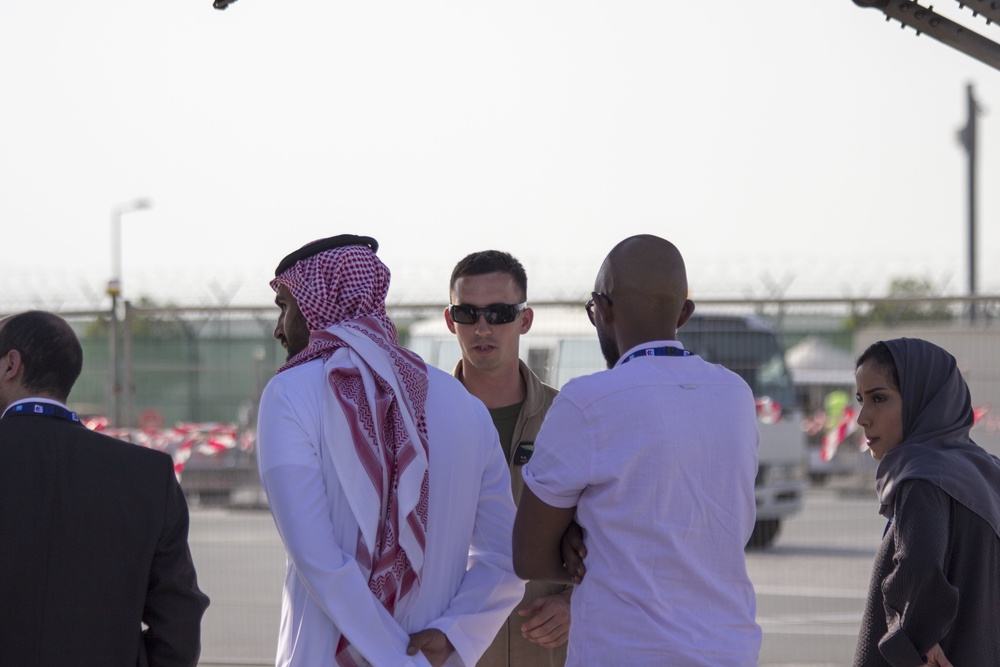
column 538, row 532
column 548, row 625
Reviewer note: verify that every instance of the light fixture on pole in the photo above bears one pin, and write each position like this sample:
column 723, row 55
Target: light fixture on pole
column 138, row 204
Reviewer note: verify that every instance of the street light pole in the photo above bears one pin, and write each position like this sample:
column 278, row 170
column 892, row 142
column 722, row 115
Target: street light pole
column 114, row 290
column 967, row 137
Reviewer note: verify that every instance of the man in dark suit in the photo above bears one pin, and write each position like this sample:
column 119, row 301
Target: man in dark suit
column 95, row 568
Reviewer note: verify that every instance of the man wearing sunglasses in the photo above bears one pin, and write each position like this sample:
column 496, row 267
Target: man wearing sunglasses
column 655, row 458
column 488, row 314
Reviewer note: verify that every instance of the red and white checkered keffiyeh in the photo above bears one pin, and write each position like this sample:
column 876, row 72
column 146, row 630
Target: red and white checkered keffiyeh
column 381, row 388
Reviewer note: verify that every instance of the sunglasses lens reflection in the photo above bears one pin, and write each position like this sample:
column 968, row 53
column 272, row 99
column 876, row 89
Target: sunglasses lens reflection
column 464, row 315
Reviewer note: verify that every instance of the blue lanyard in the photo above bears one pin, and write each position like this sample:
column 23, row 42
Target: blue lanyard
column 665, row 351
column 46, row 409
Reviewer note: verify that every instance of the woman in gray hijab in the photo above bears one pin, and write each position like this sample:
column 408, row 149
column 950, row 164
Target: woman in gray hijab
column 934, row 596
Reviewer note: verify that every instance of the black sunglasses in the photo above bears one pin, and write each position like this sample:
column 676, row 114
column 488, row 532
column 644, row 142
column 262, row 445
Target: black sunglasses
column 590, row 304
column 495, row 313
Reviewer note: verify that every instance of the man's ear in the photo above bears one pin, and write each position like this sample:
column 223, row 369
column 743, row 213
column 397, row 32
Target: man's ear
column 450, row 322
column 527, row 317
column 10, row 365
column 686, row 312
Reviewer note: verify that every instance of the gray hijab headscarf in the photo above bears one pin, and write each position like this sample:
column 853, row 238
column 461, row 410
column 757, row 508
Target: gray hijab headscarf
column 936, row 447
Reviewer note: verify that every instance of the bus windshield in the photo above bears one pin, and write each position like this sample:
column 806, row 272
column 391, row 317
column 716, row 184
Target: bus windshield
column 753, row 355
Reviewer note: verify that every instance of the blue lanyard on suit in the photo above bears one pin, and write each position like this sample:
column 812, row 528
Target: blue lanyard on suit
column 43, row 409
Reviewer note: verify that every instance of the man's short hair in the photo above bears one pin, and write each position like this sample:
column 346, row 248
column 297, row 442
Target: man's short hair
column 50, row 352
column 491, row 261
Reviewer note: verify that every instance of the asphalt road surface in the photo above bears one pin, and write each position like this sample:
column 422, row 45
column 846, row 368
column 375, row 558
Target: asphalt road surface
column 810, row 585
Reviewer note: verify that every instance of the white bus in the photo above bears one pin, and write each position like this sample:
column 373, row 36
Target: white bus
column 562, row 345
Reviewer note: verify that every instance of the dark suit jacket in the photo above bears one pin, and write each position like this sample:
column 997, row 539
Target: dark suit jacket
column 93, row 544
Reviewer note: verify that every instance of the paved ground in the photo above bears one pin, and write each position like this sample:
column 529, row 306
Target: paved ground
column 810, row 584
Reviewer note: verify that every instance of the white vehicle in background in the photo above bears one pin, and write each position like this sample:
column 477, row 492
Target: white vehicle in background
column 562, row 345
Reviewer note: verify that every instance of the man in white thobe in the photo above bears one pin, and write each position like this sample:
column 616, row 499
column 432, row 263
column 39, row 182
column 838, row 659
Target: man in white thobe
column 385, row 479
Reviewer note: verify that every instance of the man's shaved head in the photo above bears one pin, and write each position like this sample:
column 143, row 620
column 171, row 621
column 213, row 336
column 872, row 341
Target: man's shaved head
column 649, row 271
column 646, row 281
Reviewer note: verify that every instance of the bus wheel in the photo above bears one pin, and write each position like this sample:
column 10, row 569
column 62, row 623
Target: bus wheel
column 764, row 532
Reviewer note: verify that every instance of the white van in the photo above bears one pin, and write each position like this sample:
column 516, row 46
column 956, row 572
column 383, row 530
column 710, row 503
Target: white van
column 562, row 344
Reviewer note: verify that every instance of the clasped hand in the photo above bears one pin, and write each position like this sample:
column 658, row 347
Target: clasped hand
column 434, row 644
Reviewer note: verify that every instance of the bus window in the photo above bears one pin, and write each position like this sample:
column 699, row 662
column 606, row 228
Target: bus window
column 753, row 355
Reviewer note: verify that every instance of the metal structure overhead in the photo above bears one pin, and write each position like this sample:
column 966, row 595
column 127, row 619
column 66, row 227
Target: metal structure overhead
column 926, row 21
column 922, row 19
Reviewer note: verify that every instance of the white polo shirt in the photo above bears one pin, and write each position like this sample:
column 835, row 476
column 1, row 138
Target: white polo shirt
column 658, row 455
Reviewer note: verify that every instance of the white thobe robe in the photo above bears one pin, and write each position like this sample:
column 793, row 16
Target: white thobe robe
column 468, row 586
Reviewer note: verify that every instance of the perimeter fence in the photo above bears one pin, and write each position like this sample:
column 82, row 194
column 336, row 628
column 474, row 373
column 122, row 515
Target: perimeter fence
column 187, row 381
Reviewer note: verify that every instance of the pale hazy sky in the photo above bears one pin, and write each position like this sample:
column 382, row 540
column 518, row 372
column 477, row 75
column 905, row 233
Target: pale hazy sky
column 803, row 143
